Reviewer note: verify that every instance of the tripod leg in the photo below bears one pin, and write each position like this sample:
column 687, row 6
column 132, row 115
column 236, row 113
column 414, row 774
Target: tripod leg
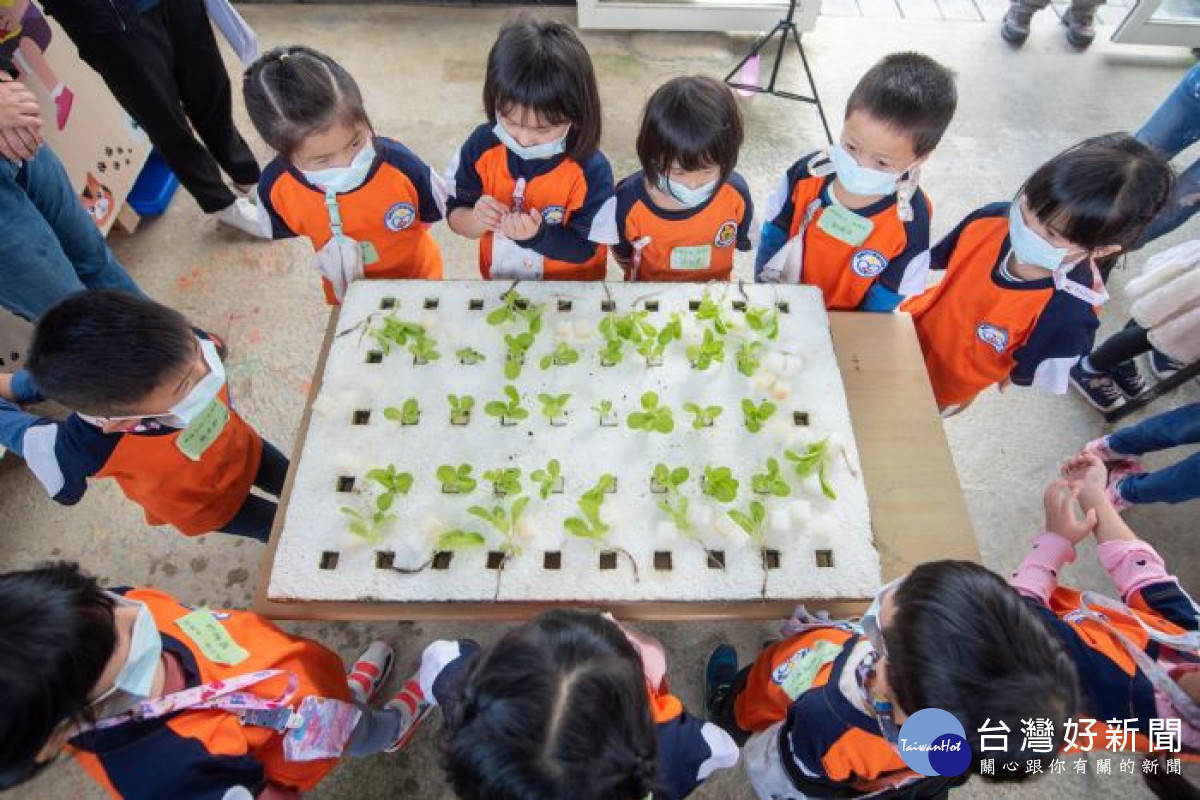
column 759, row 44
column 781, row 27
column 812, row 84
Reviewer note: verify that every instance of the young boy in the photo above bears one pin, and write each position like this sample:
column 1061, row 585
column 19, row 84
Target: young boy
column 853, row 220
column 152, row 411
column 128, row 681
column 821, row 710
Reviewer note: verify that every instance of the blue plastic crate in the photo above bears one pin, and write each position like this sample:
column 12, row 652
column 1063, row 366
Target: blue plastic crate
column 153, row 189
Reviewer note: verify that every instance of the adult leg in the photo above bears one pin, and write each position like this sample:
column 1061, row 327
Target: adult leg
column 1174, row 126
column 139, row 68
column 1183, row 205
column 1175, row 484
column 204, row 88
column 45, row 181
column 272, row 469
column 253, row 520
column 1181, row 426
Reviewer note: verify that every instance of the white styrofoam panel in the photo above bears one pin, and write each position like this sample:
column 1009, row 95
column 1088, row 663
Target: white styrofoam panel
column 799, row 374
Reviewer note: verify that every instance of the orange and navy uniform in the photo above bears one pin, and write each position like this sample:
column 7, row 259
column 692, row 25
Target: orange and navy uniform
column 575, row 200
column 392, row 210
column 826, row 744
column 147, row 463
column 873, row 275
column 689, row 244
column 980, row 326
column 689, row 749
column 203, row 754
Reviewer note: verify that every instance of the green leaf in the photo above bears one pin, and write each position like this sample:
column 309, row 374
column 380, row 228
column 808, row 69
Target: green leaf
column 499, row 316
column 517, row 413
column 826, row 489
column 512, row 368
column 744, row 522
column 384, row 501
column 638, row 421
column 518, row 508
column 392, row 413
column 459, row 540
column 577, row 527
column 402, row 483
column 496, row 409
column 545, row 362
column 380, row 476
column 664, row 423
column 447, row 474
column 650, row 401
column 679, row 476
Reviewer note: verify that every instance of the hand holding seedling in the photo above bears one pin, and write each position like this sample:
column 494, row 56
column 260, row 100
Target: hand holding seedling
column 520, row 226
column 488, row 212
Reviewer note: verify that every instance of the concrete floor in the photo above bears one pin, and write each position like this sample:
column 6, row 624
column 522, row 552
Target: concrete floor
column 421, row 73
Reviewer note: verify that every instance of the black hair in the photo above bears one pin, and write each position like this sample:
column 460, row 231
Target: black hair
column 692, row 121
column 1103, row 191
column 556, row 708
column 962, row 640
column 104, row 351
column 57, row 635
column 911, row 93
column 293, row 92
column 543, row 67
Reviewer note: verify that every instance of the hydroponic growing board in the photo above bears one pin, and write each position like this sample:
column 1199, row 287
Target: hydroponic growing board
column 630, row 549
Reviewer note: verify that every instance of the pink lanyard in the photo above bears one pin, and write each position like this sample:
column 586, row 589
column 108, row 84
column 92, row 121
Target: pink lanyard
column 1097, row 295
column 225, row 695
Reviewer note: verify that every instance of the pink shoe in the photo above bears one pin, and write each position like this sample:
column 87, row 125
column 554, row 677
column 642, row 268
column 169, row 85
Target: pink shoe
column 410, row 702
column 1103, row 451
column 1124, row 468
column 1115, row 497
column 62, row 104
column 370, row 670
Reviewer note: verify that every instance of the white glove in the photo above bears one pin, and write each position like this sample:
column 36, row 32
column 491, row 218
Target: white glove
column 340, row 261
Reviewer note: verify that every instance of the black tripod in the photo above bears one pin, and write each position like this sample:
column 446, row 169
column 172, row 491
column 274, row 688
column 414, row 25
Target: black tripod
column 783, row 29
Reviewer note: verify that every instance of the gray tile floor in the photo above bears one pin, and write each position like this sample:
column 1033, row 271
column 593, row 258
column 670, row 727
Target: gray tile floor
column 1111, row 13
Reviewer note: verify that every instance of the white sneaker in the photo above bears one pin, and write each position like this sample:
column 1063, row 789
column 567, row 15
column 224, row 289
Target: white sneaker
column 243, row 215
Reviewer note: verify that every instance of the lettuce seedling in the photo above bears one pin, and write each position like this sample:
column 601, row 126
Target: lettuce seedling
column 770, row 482
column 554, row 406
column 367, row 526
column 460, row 408
column 763, row 320
column 668, row 481
column 710, row 351
column 814, row 459
column 504, row 481
column 518, row 345
column 710, row 311
column 749, row 358
column 652, row 417
column 394, row 332
column 702, row 417
column 549, row 479
column 604, row 409
column 469, row 356
column 423, row 349
column 516, row 308
column 589, row 525
column 562, row 355
column 394, row 484
column 510, row 411
column 409, row 412
column 457, row 480
column 720, row 484
column 757, row 415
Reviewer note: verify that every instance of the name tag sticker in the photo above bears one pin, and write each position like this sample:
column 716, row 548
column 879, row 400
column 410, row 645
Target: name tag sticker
column 369, row 254
column 691, row 259
column 196, row 438
column 207, row 633
column 844, row 225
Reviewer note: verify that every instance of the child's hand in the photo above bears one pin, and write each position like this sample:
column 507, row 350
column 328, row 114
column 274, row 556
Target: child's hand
column 488, row 212
column 1060, row 499
column 6, row 391
column 1086, row 472
column 519, row 226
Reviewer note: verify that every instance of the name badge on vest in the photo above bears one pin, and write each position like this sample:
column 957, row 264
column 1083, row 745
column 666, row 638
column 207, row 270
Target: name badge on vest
column 196, row 438
column 844, row 225
column 691, row 259
column 369, row 254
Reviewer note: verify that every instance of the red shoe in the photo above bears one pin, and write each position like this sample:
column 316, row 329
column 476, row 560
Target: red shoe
column 410, row 702
column 370, row 670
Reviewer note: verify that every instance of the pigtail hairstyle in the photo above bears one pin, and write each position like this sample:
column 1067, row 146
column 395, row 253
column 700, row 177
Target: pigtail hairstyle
column 543, row 67
column 557, row 708
column 294, row 92
column 963, row 640
column 57, row 634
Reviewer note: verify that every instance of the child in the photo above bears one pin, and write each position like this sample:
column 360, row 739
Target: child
column 822, row 708
column 531, row 184
column 1018, row 300
column 152, row 411
column 365, row 202
column 1129, row 483
column 568, row 705
column 130, row 682
column 1138, row 660
column 683, row 214
column 854, row 220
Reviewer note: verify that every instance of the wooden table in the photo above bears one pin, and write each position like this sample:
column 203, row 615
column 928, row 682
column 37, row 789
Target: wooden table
column 917, row 508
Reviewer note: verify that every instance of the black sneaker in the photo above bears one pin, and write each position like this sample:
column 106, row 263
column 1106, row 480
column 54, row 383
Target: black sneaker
column 1098, row 388
column 719, row 675
column 1129, row 378
column 1164, row 366
column 1081, row 28
column 1015, row 27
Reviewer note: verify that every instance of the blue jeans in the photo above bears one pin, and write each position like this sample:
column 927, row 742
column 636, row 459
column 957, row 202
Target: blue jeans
column 50, row 247
column 1172, row 128
column 1175, row 484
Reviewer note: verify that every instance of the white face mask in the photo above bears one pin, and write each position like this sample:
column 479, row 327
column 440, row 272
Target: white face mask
column 344, row 179
column 870, row 620
column 1029, row 247
column 204, row 392
column 858, row 179
column 533, row 152
column 685, row 194
column 136, row 678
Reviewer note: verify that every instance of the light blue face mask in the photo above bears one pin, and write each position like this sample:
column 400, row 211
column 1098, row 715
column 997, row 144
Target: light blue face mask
column 1028, row 246
column 136, row 678
column 344, row 179
column 533, row 152
column 685, row 194
column 858, row 179
column 870, row 620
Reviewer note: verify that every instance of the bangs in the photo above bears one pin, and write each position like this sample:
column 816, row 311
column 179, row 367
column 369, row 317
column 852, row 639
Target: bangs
column 541, row 95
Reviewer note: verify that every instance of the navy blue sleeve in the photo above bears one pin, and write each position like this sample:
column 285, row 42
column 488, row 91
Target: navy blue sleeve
column 683, row 754
column 745, row 241
column 593, row 225
column 626, row 197
column 444, row 667
column 916, row 235
column 939, row 256
column 429, row 186
column 14, row 423
column 464, row 186
column 1171, row 602
column 61, row 455
column 1064, row 333
column 272, row 173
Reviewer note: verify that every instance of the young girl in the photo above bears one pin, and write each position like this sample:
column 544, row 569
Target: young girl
column 568, row 705
column 682, row 215
column 1139, row 659
column 531, row 184
column 820, row 712
column 1018, row 301
column 365, row 202
column 160, row 699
